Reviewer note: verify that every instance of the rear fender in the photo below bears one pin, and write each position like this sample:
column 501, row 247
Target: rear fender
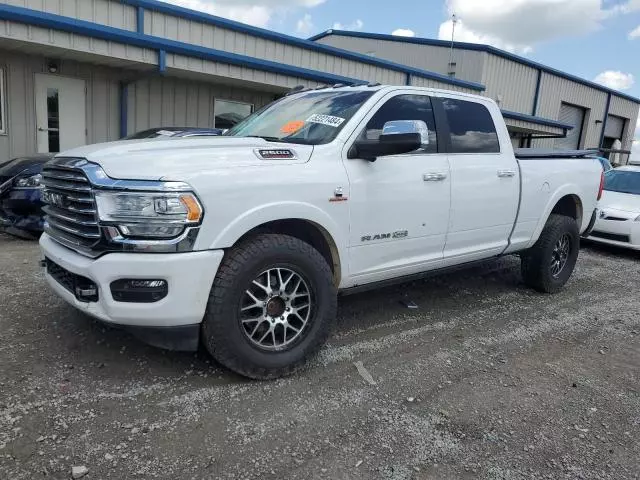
column 564, row 190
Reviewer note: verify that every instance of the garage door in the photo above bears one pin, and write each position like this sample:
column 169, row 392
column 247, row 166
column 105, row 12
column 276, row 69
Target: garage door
column 571, row 115
column 615, row 127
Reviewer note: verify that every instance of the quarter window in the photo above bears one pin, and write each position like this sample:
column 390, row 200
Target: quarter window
column 228, row 113
column 404, row 107
column 471, row 126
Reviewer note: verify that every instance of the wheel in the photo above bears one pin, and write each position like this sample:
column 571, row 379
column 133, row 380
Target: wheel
column 271, row 307
column 548, row 265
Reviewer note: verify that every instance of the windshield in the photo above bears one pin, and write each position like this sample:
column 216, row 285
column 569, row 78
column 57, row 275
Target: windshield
column 622, row 181
column 312, row 118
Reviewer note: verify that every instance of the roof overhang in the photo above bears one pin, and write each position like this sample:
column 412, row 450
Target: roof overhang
column 530, row 125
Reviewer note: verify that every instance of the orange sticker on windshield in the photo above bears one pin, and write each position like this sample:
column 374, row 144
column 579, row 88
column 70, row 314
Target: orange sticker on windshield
column 292, row 127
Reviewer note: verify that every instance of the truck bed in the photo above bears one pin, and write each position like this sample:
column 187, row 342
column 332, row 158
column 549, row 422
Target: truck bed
column 537, row 153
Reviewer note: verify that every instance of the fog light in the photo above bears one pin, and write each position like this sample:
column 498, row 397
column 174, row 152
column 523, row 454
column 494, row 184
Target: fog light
column 139, row 290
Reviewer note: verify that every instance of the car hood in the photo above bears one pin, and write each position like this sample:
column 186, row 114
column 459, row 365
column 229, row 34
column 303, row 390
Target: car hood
column 177, row 159
column 622, row 202
column 19, row 165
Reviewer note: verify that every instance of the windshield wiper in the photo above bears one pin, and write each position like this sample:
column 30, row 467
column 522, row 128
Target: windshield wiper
column 268, row 139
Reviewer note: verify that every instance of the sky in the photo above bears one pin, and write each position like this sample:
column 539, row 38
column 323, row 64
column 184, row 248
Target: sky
column 597, row 40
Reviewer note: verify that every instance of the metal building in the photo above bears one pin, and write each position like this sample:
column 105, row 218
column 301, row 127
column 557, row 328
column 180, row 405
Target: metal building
column 84, row 71
column 596, row 115
column 74, row 72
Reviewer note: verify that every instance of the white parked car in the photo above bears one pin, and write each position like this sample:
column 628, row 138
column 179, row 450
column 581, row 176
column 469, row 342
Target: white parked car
column 246, row 245
column 618, row 221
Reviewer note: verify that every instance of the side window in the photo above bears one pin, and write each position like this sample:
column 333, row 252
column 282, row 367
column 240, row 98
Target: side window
column 404, row 107
column 471, row 126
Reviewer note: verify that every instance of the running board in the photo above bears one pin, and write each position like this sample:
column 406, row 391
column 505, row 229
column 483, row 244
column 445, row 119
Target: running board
column 415, row 276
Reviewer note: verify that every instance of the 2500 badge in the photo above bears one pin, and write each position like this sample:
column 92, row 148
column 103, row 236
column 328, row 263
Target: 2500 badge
column 385, row 236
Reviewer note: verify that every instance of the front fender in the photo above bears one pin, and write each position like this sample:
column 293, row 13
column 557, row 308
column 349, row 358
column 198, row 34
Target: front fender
column 271, row 212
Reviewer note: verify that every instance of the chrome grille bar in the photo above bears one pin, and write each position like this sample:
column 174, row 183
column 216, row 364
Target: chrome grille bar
column 71, row 215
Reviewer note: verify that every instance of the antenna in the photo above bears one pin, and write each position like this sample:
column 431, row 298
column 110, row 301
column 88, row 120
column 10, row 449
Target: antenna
column 452, row 65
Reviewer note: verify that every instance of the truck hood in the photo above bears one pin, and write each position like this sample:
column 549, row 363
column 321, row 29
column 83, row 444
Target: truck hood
column 623, row 202
column 176, row 159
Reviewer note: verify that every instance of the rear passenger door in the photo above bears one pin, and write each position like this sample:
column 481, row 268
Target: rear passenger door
column 485, row 183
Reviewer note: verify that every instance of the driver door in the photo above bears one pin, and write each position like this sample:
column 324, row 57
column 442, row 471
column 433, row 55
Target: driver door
column 399, row 204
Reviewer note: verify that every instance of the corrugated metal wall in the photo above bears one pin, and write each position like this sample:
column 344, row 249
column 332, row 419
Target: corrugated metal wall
column 555, row 90
column 152, row 102
column 102, row 107
column 519, row 125
column 115, row 54
column 106, row 12
column 198, row 33
column 225, row 72
column 170, row 102
column 425, row 82
column 436, row 59
column 513, row 82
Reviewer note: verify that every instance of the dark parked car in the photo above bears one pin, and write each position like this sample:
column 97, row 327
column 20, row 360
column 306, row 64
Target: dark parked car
column 20, row 199
column 175, row 132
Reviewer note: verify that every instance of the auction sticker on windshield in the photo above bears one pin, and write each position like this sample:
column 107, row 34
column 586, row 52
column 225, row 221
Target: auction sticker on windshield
column 329, row 120
column 292, row 127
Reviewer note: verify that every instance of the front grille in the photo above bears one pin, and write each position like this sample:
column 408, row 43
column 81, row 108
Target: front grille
column 611, row 236
column 62, row 276
column 81, row 287
column 71, row 216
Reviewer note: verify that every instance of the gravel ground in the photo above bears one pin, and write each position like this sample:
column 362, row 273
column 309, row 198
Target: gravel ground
column 486, row 379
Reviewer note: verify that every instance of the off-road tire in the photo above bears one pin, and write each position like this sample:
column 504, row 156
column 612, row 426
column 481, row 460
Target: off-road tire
column 536, row 261
column 222, row 333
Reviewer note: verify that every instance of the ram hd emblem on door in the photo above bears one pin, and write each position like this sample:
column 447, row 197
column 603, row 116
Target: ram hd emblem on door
column 385, row 236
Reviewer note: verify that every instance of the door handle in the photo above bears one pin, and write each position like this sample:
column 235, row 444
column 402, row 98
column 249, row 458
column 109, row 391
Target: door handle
column 40, row 129
column 506, row 173
column 434, row 177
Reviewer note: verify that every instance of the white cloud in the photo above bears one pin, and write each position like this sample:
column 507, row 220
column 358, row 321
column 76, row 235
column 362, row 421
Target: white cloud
column 355, row 25
column 635, row 33
column 615, row 79
column 403, row 32
column 519, row 25
column 253, row 12
column 305, row 25
column 465, row 34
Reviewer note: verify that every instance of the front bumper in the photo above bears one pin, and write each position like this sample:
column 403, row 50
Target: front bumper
column 622, row 232
column 189, row 276
column 21, row 211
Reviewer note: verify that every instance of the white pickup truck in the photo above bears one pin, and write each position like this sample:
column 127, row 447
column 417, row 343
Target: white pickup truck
column 242, row 242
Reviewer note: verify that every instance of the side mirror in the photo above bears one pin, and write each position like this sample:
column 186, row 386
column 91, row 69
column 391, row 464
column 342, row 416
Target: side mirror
column 397, row 137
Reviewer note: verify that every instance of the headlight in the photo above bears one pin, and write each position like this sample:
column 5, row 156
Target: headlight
column 31, row 181
column 156, row 215
column 637, row 219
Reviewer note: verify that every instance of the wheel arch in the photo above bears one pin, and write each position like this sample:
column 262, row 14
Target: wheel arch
column 306, row 222
column 564, row 202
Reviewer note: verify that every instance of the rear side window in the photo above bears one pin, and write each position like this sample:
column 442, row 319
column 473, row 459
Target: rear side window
column 471, row 126
column 404, row 107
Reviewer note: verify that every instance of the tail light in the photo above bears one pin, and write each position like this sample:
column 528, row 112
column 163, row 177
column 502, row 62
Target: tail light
column 601, row 185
